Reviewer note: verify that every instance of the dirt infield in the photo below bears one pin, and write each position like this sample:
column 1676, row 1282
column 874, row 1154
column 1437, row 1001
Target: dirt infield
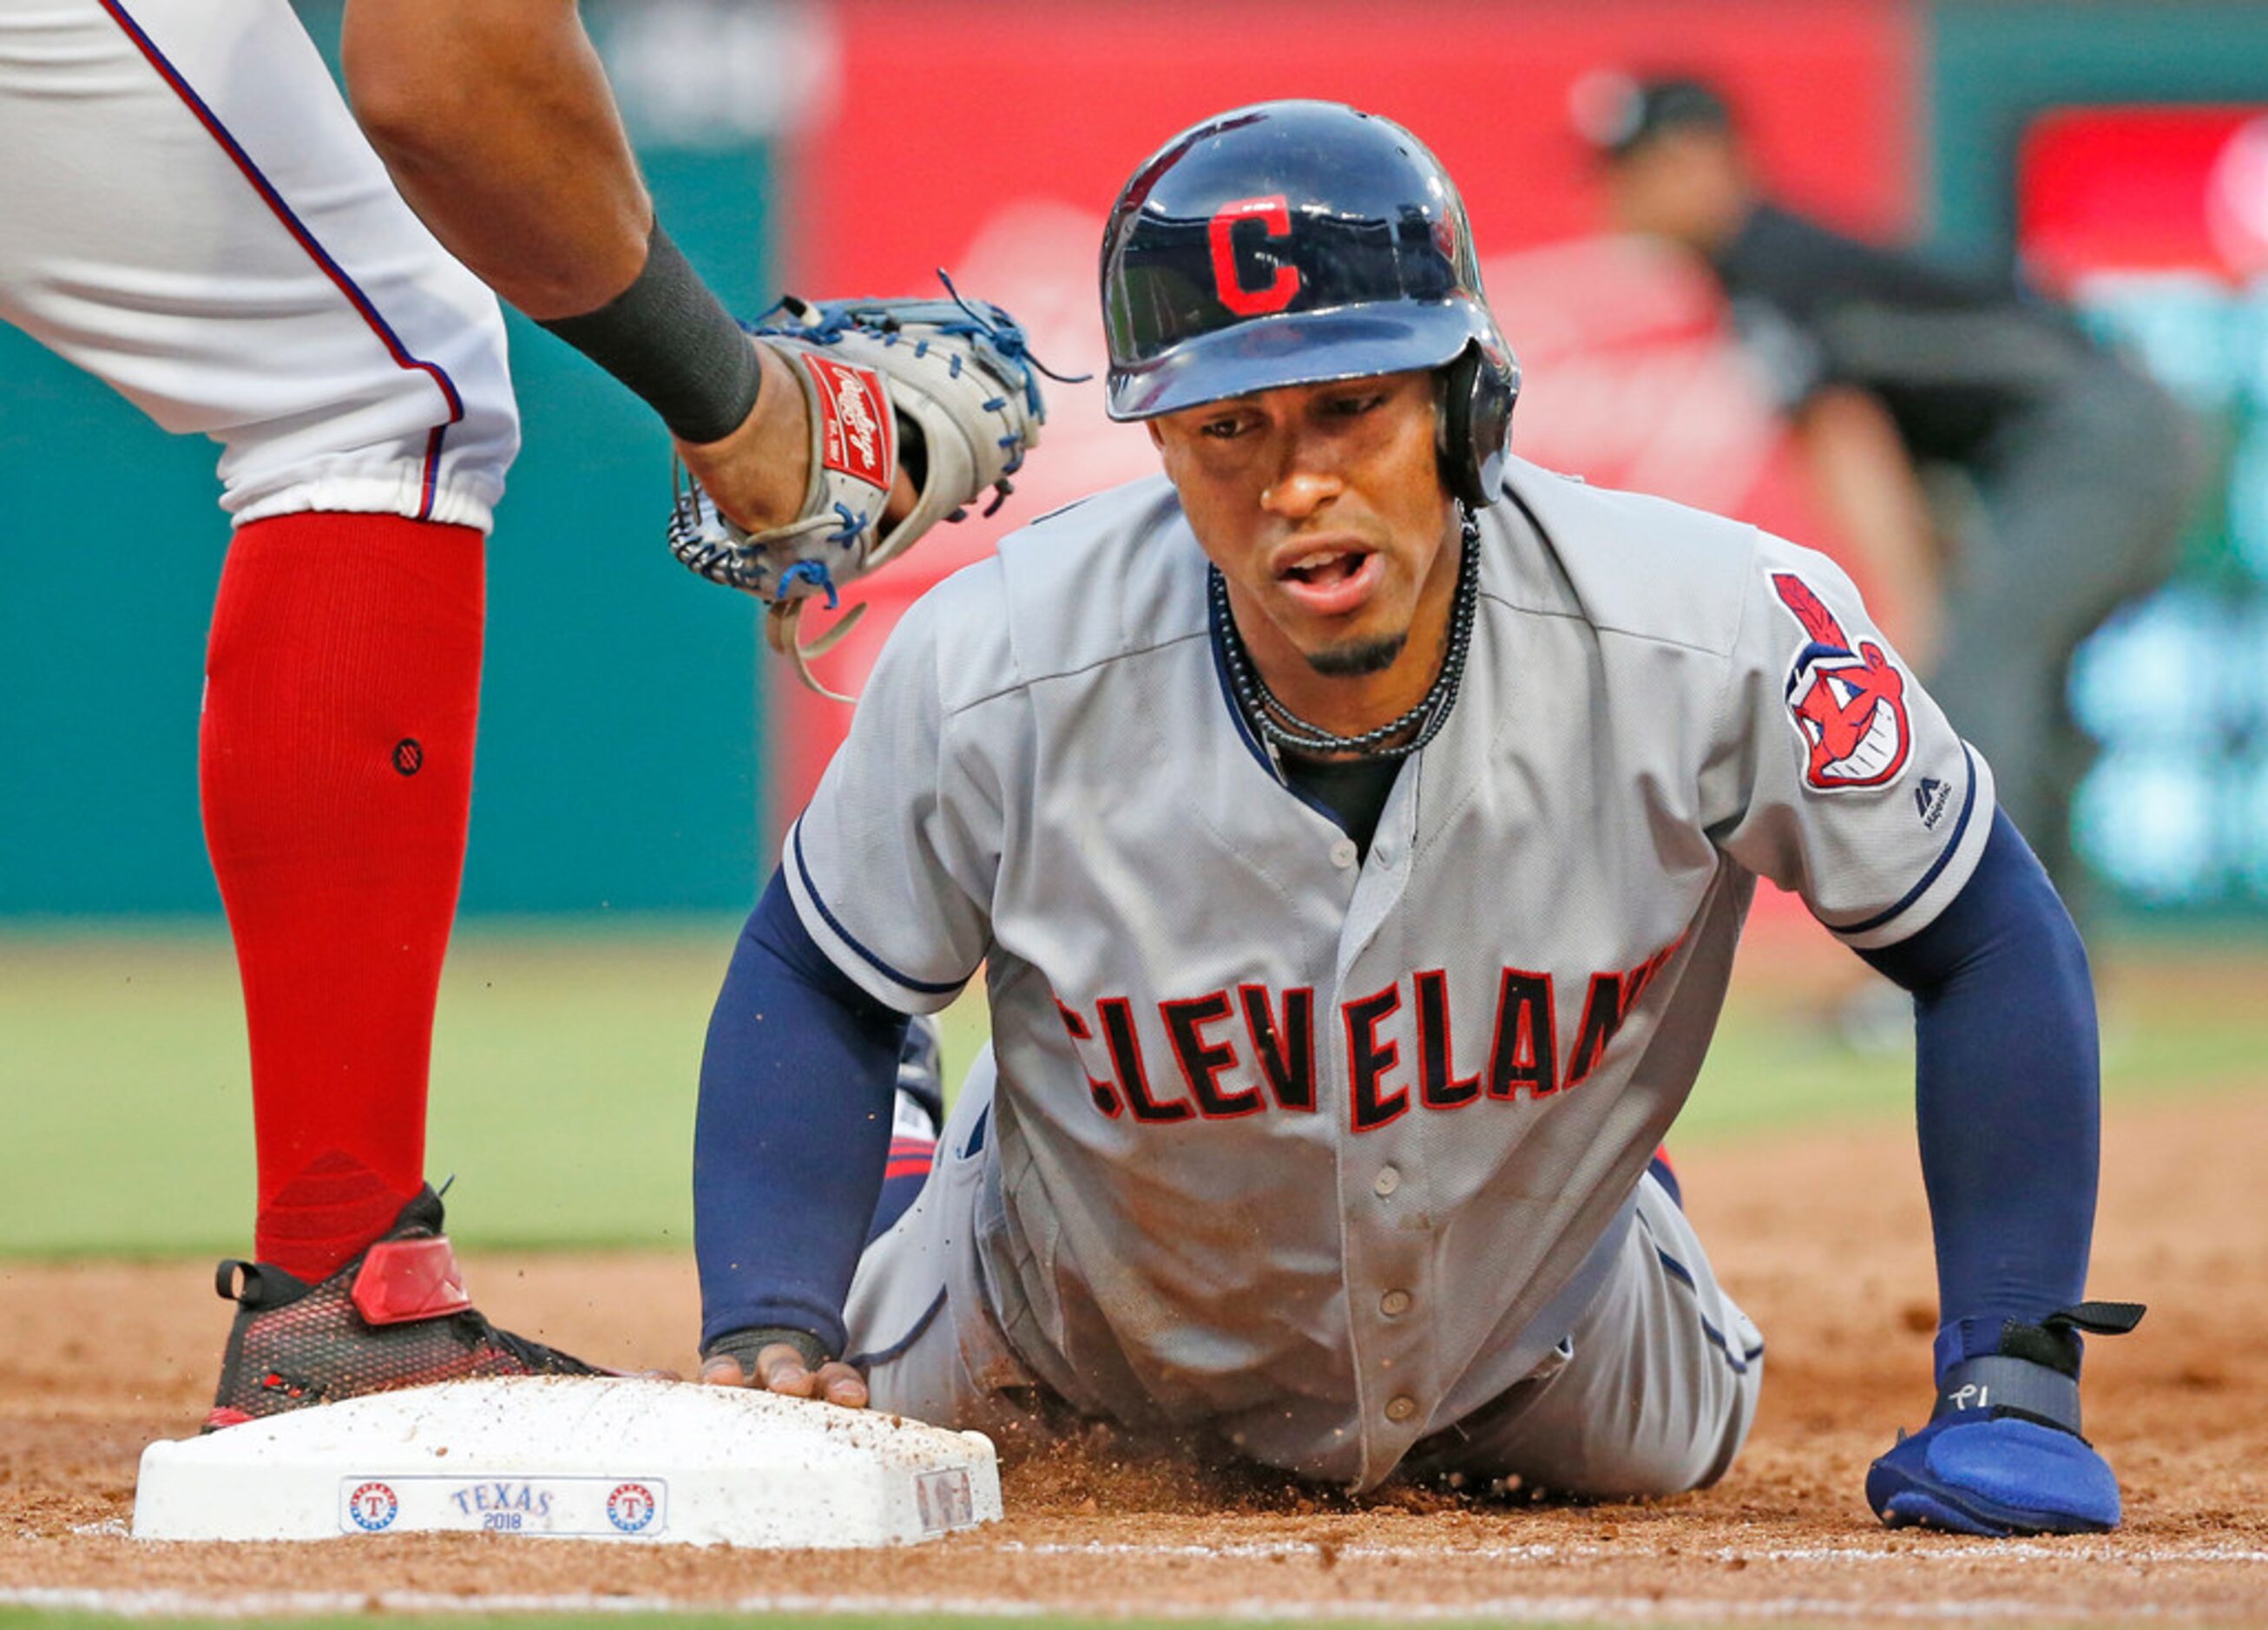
column 1824, row 1239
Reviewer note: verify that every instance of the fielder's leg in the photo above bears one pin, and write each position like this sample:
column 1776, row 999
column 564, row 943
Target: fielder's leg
column 194, row 217
column 1655, row 1397
column 342, row 681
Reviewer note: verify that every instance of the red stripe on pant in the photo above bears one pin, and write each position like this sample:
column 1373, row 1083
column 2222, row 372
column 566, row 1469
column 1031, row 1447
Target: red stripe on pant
column 902, row 1178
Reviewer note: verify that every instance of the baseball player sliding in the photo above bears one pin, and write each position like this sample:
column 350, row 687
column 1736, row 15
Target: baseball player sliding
column 1355, row 825
column 193, row 216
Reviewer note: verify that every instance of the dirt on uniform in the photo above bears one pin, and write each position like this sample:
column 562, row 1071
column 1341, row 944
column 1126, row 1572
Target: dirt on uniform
column 1823, row 1238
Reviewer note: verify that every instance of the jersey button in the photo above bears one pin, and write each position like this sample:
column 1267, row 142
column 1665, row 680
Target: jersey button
column 1389, row 1180
column 1343, row 853
column 1393, row 1303
column 1400, row 1407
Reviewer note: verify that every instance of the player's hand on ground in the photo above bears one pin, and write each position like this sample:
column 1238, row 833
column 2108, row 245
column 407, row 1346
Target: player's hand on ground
column 1995, row 1478
column 1995, row 1474
column 783, row 1368
column 2002, row 1453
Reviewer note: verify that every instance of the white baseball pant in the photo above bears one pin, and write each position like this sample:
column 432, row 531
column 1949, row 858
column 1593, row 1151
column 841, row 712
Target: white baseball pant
column 189, row 212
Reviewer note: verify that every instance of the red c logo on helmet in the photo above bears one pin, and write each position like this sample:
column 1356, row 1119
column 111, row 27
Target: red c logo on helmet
column 1274, row 214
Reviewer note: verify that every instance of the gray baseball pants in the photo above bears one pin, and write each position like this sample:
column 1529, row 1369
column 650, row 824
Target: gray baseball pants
column 1653, row 1392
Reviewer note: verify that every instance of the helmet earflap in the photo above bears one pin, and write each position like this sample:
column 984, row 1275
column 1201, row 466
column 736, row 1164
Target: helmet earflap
column 1477, row 392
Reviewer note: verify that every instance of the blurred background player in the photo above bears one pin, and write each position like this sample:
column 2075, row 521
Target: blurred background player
column 194, row 217
column 2076, row 468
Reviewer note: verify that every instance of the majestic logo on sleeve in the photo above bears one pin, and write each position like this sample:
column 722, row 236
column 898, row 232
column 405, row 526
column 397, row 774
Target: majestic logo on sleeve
column 1849, row 706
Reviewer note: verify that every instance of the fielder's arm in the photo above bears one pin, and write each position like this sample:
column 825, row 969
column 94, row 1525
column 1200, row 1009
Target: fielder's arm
column 498, row 124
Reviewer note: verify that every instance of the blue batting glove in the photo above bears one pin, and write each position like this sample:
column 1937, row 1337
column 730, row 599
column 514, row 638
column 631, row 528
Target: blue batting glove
column 1994, row 1477
column 2002, row 1454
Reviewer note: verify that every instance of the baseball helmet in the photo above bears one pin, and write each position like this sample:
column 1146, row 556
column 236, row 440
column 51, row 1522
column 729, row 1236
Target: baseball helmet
column 1297, row 242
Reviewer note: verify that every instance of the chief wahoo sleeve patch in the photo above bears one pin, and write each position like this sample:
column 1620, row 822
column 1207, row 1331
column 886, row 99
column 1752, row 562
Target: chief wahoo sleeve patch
column 1849, row 705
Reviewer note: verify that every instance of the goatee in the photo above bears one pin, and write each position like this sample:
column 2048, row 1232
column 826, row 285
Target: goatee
column 1358, row 657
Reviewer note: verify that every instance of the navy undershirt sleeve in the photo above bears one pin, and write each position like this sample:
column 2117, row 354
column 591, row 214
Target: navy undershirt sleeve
column 792, row 1132
column 2006, row 1094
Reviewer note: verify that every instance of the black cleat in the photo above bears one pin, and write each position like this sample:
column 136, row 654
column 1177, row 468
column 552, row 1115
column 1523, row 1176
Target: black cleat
column 397, row 1315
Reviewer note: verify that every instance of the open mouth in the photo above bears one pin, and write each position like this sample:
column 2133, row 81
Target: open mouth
column 1333, row 579
column 1327, row 566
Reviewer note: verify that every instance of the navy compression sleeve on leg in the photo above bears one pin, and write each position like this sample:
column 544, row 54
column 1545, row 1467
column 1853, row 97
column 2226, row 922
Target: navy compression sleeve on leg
column 792, row 1132
column 2007, row 1091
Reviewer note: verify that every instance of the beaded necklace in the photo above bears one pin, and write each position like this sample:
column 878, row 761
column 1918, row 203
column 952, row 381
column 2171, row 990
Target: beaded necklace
column 1283, row 728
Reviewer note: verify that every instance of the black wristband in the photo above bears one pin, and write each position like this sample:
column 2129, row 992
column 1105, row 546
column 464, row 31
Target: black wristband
column 670, row 339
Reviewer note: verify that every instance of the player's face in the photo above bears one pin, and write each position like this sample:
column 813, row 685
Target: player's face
column 1322, row 506
column 1689, row 185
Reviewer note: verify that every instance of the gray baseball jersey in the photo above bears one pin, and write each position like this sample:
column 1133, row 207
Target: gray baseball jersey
column 1313, row 1149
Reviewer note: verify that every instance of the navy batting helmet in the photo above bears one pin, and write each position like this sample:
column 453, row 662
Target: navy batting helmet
column 1291, row 243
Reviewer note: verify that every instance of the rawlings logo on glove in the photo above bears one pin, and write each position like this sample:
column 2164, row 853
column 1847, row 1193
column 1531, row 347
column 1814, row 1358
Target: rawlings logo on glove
column 944, row 387
column 857, row 431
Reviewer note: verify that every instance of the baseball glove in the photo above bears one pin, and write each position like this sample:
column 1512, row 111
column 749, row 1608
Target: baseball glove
column 943, row 388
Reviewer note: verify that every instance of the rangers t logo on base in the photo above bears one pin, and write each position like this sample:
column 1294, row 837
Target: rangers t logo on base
column 1849, row 707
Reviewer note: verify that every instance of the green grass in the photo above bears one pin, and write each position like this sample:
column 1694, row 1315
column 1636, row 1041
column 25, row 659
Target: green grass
column 1772, row 1067
column 565, row 1074
column 565, row 1063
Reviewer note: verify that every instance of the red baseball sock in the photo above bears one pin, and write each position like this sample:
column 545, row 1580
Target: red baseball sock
column 343, row 682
